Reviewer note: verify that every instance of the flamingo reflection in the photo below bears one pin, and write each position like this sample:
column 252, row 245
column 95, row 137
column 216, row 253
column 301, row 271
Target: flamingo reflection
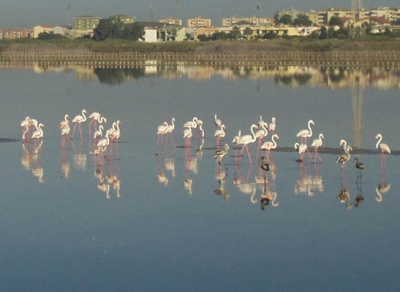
column 382, row 188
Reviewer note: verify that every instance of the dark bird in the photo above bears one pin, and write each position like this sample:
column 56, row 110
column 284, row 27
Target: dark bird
column 359, row 165
column 222, row 152
column 343, row 158
column 264, row 164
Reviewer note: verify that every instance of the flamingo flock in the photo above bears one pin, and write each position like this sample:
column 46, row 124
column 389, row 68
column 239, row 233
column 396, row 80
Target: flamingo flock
column 100, row 143
column 261, row 130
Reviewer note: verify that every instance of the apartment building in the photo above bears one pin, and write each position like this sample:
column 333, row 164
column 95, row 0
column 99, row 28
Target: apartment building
column 253, row 20
column 198, row 22
column 15, row 33
column 86, row 22
column 171, row 20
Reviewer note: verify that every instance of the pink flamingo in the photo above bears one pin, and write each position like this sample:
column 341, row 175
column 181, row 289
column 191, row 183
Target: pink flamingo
column 115, row 134
column 38, row 134
column 260, row 134
column 169, row 130
column 217, row 122
column 316, row 144
column 302, row 148
column 269, row 145
column 64, row 134
column 383, row 147
column 304, row 134
column 64, row 122
column 161, row 131
column 272, row 125
column 96, row 117
column 220, row 133
column 79, row 119
column 187, row 134
column 246, row 140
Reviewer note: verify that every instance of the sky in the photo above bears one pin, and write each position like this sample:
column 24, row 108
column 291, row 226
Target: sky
column 23, row 13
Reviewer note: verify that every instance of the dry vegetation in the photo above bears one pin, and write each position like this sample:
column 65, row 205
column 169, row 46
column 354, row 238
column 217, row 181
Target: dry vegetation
column 291, row 44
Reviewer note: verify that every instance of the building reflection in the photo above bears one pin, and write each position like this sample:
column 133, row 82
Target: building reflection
column 287, row 76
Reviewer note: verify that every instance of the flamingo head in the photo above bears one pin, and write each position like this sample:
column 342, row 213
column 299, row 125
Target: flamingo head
column 296, row 145
column 312, row 122
column 378, row 136
column 343, row 142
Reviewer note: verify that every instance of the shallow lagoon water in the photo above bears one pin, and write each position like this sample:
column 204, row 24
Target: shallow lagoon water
column 62, row 231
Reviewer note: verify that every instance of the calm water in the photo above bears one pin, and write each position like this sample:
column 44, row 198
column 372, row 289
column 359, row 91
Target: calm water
column 179, row 221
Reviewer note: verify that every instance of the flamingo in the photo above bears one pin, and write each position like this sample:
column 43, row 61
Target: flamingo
column 221, row 153
column 345, row 148
column 161, row 131
column 302, row 148
column 169, row 131
column 267, row 146
column 306, row 132
column 217, row 122
column 64, row 122
column 192, row 123
column 343, row 159
column 236, row 138
column 263, row 132
column 104, row 142
column 246, row 140
column 115, row 134
column 262, row 122
column 200, row 128
column 98, row 133
column 64, row 133
column 38, row 134
column 95, row 116
column 220, row 133
column 187, row 134
column 360, row 166
column 316, row 144
column 383, row 147
column 79, row 119
column 272, row 125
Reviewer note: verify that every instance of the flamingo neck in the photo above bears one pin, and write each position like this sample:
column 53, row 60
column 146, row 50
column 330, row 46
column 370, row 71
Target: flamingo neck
column 173, row 123
column 252, row 131
column 379, row 141
column 309, row 128
column 273, row 140
column 84, row 116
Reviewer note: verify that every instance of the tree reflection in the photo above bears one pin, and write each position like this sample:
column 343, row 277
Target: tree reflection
column 114, row 76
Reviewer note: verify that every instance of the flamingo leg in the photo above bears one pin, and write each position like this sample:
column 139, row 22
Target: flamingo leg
column 248, row 153
column 73, row 131
column 80, row 131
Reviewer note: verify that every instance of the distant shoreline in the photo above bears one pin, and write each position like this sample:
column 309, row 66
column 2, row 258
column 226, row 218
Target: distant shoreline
column 112, row 53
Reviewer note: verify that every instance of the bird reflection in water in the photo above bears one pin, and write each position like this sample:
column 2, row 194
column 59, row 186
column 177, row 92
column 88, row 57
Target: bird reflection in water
column 31, row 159
column 220, row 176
column 79, row 158
column 243, row 184
column 383, row 187
column 108, row 178
column 161, row 177
column 344, row 193
column 65, row 166
column 267, row 195
column 190, row 165
column 359, row 166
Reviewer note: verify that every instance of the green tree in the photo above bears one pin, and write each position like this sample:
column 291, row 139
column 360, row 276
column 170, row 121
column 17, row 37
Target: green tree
column 221, row 35
column 286, row 19
column 270, row 35
column 302, row 19
column 324, row 33
column 49, row 36
column 248, row 32
column 133, row 31
column 336, row 20
column 203, row 38
column 234, row 33
column 114, row 28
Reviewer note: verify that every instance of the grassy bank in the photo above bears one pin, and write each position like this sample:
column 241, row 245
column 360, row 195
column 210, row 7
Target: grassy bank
column 290, row 44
